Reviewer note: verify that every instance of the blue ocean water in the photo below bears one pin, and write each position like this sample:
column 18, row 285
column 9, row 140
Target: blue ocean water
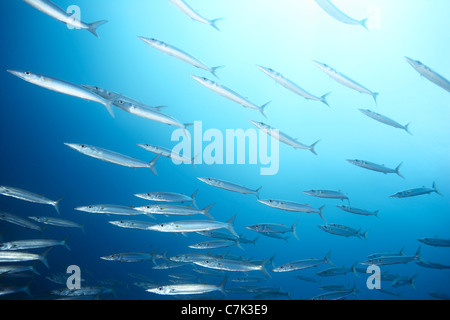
column 283, row 35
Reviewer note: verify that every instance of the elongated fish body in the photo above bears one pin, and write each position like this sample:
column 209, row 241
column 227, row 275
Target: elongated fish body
column 191, row 13
column 187, row 289
column 328, row 194
column 341, row 230
column 335, row 295
column 337, row 14
column 58, row 222
column 4, row 290
column 113, row 157
column 385, row 120
column 17, row 256
column 232, row 265
column 376, row 167
column 191, row 257
column 303, row 264
column 219, row 235
column 129, row 257
column 168, row 197
column 11, row 269
column 390, row 260
column 194, row 226
column 288, row 84
column 273, row 228
column 292, row 206
column 32, row 244
column 84, row 291
column 362, row 212
column 166, row 209
column 178, row 53
column 229, row 94
column 416, row 192
column 215, row 244
column 29, row 196
column 346, row 81
column 166, row 153
column 282, row 137
column 151, row 114
column 52, row 10
column 429, row 74
column 222, row 184
column 386, row 254
column 63, row 87
column 25, row 223
column 435, row 242
column 133, row 224
column 337, row 271
column 432, row 265
column 110, row 209
column 118, row 99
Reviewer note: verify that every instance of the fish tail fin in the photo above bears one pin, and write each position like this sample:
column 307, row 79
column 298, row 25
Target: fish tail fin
column 33, row 269
column 64, row 242
column 262, row 108
column 321, row 215
column 417, row 255
column 327, row 259
column 254, row 241
column 26, row 288
column 407, row 129
column 324, row 98
column 93, row 27
column 153, row 165
column 194, row 203
column 194, row 159
column 82, row 228
column 56, row 204
column 397, row 170
column 364, row 234
column 263, row 268
column 221, row 286
column 257, row 192
column 354, row 269
column 436, row 190
column 363, row 23
column 213, row 23
column 311, row 148
column 294, row 229
column 214, row 69
column 43, row 257
column 206, row 211
column 412, row 281
column 375, row 96
column 230, row 226
column 238, row 244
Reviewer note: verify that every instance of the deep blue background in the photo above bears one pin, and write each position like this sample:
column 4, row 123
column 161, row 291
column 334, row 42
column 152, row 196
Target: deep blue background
column 284, row 35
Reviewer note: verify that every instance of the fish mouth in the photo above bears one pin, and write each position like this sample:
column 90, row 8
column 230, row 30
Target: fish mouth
column 263, row 69
column 19, row 74
column 84, row 209
column 255, row 123
column 319, row 64
column 412, row 61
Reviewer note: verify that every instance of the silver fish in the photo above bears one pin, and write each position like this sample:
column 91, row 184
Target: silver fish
column 404, row 281
column 274, row 228
column 233, row 265
column 133, row 224
column 215, row 244
column 436, row 242
column 191, row 13
column 188, row 288
column 29, row 196
column 11, row 269
column 17, row 256
column 113, row 157
column 288, row 84
column 58, row 222
column 284, row 138
column 25, row 223
column 194, row 226
column 338, row 271
column 222, row 184
column 345, row 231
column 32, row 244
column 63, row 87
column 358, row 211
column 337, row 14
column 130, row 257
column 390, row 260
column 52, row 10
column 168, row 197
column 376, row 167
column 344, row 80
column 167, row 153
column 432, row 265
column 417, row 192
column 174, row 210
column 303, row 264
column 179, row 54
column 328, row 194
column 292, row 206
column 429, row 74
column 385, row 120
column 110, row 209
column 229, row 94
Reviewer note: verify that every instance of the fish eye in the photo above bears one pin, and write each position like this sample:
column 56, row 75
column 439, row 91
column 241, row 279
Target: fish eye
column 161, row 225
column 90, row 207
column 83, row 146
column 27, row 73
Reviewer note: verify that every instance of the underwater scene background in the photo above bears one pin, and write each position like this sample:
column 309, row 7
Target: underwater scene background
column 284, row 35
